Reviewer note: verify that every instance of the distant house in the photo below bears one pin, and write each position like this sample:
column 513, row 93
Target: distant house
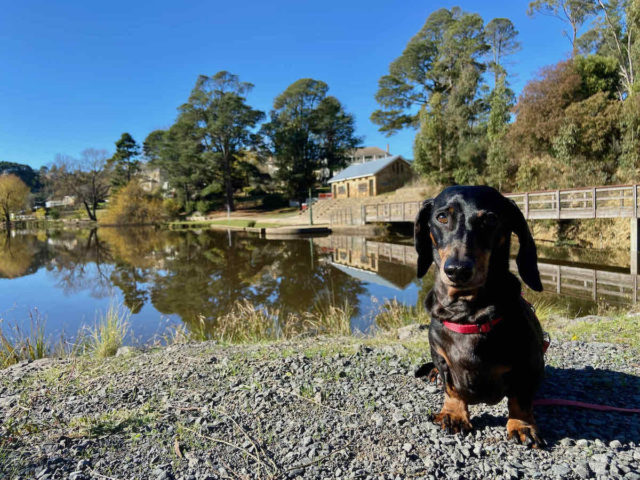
column 366, row 154
column 371, row 178
column 153, row 179
column 67, row 201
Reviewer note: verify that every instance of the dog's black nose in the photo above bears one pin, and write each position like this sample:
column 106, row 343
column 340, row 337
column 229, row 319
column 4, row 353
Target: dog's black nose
column 458, row 271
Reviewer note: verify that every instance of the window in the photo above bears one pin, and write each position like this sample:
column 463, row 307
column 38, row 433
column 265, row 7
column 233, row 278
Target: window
column 341, row 190
column 362, row 187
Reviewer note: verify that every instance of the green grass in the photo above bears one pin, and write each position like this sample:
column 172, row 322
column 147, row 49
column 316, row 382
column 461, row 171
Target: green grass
column 623, row 328
column 113, row 422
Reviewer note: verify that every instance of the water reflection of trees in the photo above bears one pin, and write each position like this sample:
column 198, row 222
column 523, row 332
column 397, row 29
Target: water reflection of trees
column 208, row 273
column 80, row 261
column 16, row 255
column 193, row 275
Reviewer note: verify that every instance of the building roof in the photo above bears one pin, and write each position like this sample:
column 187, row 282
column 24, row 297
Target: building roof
column 367, row 151
column 365, row 169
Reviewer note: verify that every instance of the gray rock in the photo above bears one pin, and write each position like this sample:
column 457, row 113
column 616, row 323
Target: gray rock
column 377, row 419
column 412, row 330
column 125, row 351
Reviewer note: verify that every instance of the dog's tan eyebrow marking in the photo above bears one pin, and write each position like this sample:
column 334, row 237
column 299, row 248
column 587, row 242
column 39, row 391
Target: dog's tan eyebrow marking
column 444, row 252
column 433, row 240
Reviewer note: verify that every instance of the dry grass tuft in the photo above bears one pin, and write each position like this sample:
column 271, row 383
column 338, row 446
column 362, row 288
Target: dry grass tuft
column 108, row 333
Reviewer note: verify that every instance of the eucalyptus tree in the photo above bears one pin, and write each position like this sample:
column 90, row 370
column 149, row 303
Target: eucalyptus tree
column 575, row 13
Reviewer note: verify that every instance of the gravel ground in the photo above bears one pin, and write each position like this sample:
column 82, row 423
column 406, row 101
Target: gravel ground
column 314, row 408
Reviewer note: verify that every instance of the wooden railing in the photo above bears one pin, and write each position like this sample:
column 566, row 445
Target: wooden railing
column 593, row 202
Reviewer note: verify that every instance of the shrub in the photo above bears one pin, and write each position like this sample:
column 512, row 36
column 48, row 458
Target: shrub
column 132, row 205
column 54, row 213
column 203, row 206
column 171, row 207
column 40, row 213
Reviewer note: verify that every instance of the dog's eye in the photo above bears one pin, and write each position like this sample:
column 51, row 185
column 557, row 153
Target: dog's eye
column 442, row 218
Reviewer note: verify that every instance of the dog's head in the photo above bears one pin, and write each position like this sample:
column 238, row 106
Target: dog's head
column 467, row 229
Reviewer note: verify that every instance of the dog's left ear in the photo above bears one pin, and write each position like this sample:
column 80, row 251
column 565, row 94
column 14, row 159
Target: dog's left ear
column 421, row 238
column 527, row 259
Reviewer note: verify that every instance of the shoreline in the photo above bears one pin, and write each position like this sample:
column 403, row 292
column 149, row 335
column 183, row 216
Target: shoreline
column 321, row 407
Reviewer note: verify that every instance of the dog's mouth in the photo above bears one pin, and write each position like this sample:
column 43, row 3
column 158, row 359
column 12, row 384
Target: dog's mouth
column 466, row 291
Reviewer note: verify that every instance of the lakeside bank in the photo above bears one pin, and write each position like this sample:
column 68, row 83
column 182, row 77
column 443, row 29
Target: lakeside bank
column 321, row 407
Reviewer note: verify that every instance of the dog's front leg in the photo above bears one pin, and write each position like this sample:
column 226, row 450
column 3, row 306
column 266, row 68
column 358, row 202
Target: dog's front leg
column 521, row 426
column 454, row 416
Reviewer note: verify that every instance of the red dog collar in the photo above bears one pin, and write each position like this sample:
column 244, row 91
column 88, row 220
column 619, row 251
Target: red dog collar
column 484, row 328
column 472, row 327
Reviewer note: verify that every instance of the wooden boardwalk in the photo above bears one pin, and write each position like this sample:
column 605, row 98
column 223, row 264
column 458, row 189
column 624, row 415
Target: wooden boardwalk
column 574, row 203
column 581, row 282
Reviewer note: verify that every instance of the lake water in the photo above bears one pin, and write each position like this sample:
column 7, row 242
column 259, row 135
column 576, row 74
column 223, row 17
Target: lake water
column 168, row 278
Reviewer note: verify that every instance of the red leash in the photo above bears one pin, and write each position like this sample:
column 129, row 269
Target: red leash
column 574, row 403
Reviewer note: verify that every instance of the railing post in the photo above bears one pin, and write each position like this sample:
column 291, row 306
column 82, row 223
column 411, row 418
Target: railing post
column 403, row 216
column 635, row 201
column 558, row 204
column 594, row 205
column 635, row 238
column 364, row 214
column 526, row 206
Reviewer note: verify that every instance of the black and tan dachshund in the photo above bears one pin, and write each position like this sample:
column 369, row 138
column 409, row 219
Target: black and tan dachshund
column 486, row 342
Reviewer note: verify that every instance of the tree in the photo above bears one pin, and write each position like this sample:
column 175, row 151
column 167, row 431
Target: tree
column 125, row 163
column 435, row 85
column 305, row 128
column 86, row 179
column 442, row 58
column 501, row 37
column 14, row 195
column 177, row 151
column 615, row 34
column 132, row 205
column 573, row 12
column 500, row 104
column 335, row 129
column 540, row 108
column 223, row 122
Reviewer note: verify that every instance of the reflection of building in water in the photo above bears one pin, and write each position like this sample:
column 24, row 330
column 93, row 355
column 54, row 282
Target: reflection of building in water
column 369, row 261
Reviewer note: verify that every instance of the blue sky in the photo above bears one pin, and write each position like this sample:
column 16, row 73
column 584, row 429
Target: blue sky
column 76, row 74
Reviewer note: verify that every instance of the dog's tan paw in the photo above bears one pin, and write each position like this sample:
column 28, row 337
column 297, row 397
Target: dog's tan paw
column 524, row 433
column 452, row 422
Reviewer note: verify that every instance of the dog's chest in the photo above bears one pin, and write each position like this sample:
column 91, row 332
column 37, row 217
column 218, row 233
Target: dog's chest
column 477, row 374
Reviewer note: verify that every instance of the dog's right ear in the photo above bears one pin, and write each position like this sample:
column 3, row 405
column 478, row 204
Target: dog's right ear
column 422, row 239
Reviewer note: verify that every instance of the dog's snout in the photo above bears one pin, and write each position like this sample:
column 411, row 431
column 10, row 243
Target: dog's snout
column 458, row 271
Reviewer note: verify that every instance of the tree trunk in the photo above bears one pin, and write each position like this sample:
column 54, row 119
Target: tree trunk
column 228, row 184
column 92, row 215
